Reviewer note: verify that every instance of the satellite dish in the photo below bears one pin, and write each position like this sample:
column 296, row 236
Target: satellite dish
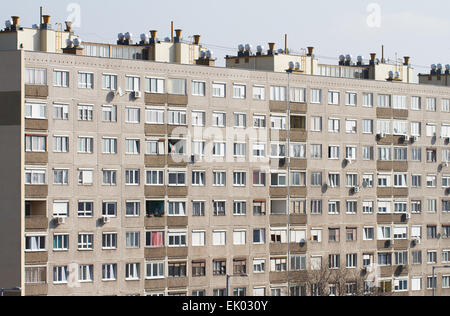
column 297, row 65
column 360, row 59
column 167, row 39
column 439, row 66
column 348, row 57
column 69, row 42
column 397, row 74
column 76, row 42
column 35, row 26
column 248, row 47
column 209, row 54
column 241, row 48
column 342, row 58
column 391, row 74
column 144, row 37
column 280, row 51
column 291, row 65
column 260, row 49
column 433, row 66
column 202, row 54
column 121, row 36
column 8, row 23
column 447, row 67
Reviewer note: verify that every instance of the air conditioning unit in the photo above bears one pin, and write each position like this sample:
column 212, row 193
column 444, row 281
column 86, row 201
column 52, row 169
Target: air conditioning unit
column 60, row 220
column 407, row 138
column 357, row 189
column 417, row 240
column 383, row 135
column 444, row 164
column 120, row 92
column 415, row 138
column 137, row 94
column 105, row 220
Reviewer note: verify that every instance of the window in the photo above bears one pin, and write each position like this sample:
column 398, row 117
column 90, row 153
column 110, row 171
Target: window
column 259, row 236
column 277, row 93
column 198, row 88
column 351, row 261
column 109, row 177
column 109, row 113
column 445, row 105
column 298, row 178
column 368, row 207
column 154, row 85
column 154, row 116
column 278, row 264
column 109, row 82
column 316, row 151
column 154, row 239
column 109, row 272
column 198, row 178
column 239, row 266
column 132, row 115
column 132, row 240
column 298, row 122
column 219, row 238
column 259, row 121
column 219, row 149
column 85, row 209
column 240, row 120
column 198, row 238
column 316, row 123
column 400, row 128
column 61, row 111
column 85, row 241
column 431, row 104
column 316, row 207
column 367, row 100
column 259, row 265
column 132, row 177
column 86, row 273
column 60, row 78
column 219, row 268
column 154, row 147
column 334, row 235
column 384, row 153
column 109, row 146
column 35, row 243
column 109, row 241
column 334, row 152
column 239, row 208
column 60, row 274
column 259, row 208
column 177, row 208
column 219, row 119
column 219, row 90
column 133, row 83
column 384, row 101
column 298, row 151
column 334, row 125
column 431, row 130
column 240, row 149
column 259, row 93
column 219, row 208
column 35, row 143
column 351, row 126
column 278, row 150
column 85, row 145
column 239, row 91
column 351, row 153
column 239, row 178
column 416, row 154
column 334, row 180
column 109, row 209
column 351, row 98
column 431, row 181
column 198, row 208
column 351, row 207
column 198, row 118
column 85, row 80
column 316, row 96
column 399, row 102
column 416, row 257
column 35, row 176
column 383, row 127
column 35, row 110
column 368, row 233
column 177, row 239
column 176, row 86
column 278, row 179
column 132, row 208
column 334, row 261
column 367, row 126
column 155, row 270
column 298, row 95
column 259, row 178
column 219, row 178
column 239, row 237
column 432, row 257
column 333, row 97
column 132, row 271
column 334, row 207
column 35, row 76
column 416, row 103
column 177, row 178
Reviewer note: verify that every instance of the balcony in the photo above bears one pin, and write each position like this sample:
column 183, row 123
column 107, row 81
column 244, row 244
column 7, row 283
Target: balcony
column 177, row 191
column 36, row 125
column 299, row 219
column 278, row 220
column 36, row 158
column 155, row 161
column 155, row 191
column 177, row 252
column 278, row 248
column 151, row 129
column 178, row 160
column 385, row 113
column 36, row 191
column 278, row 277
column 400, row 114
column 278, row 106
column 299, row 135
column 155, row 253
column 36, row 91
column 400, row 192
column 384, row 192
column 401, row 244
column 300, row 164
column 154, row 222
column 155, row 98
column 177, row 221
column 36, row 289
column 298, row 192
column 177, row 100
column 400, row 166
column 384, row 218
column 384, row 245
column 159, row 284
column 36, row 223
column 299, row 108
column 176, row 283
column 298, row 247
column 278, row 191
column 36, row 257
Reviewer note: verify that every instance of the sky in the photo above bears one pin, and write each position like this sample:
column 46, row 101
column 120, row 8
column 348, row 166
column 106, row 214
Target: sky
column 415, row 28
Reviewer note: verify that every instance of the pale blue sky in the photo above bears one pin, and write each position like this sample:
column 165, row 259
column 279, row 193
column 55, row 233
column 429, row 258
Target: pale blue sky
column 420, row 29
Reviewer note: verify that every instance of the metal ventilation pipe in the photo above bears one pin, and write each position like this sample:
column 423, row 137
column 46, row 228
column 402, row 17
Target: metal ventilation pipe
column 15, row 20
column 196, row 39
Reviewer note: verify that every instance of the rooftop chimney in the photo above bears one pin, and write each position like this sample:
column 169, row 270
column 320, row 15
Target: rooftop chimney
column 15, row 20
column 153, row 36
column 310, row 51
column 178, row 35
column 406, row 60
column 68, row 26
column 46, row 24
column 373, row 56
column 197, row 39
column 271, row 49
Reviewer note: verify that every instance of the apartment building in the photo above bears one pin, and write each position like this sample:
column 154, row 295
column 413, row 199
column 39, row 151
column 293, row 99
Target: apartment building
column 144, row 173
